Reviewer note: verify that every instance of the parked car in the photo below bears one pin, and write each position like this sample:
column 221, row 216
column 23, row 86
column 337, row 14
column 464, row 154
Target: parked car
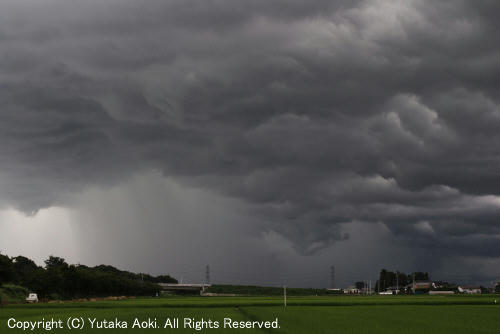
column 32, row 298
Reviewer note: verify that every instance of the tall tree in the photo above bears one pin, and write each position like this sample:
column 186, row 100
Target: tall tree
column 6, row 269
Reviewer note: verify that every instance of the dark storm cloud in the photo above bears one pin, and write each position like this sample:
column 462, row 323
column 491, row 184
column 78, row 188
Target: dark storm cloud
column 315, row 114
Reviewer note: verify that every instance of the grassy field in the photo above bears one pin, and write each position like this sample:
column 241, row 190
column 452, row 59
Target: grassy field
column 340, row 314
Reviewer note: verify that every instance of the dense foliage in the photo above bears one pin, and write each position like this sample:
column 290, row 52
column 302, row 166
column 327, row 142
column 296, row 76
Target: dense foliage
column 10, row 293
column 60, row 280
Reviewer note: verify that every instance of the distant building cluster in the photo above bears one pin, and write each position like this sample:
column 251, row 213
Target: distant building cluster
column 403, row 286
column 422, row 287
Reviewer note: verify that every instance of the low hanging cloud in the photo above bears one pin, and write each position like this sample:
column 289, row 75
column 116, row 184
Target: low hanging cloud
column 315, row 115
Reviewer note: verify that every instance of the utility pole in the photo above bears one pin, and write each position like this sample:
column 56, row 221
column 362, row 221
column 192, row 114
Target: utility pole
column 413, row 282
column 370, row 291
column 207, row 275
column 284, row 295
column 332, row 277
column 397, row 282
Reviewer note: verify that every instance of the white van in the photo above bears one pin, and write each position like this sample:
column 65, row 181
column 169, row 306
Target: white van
column 32, row 298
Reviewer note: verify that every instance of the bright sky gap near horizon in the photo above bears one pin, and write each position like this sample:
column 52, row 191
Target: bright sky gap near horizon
column 269, row 140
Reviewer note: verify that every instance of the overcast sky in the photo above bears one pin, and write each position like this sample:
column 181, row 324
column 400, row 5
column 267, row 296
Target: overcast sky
column 267, row 139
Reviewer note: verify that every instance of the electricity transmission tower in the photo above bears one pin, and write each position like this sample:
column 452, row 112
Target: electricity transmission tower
column 207, row 275
column 332, row 277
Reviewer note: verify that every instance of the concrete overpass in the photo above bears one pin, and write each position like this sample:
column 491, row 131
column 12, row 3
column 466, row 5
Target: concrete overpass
column 184, row 288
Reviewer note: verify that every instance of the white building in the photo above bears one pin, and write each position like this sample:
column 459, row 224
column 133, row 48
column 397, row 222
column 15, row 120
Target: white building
column 351, row 291
column 469, row 289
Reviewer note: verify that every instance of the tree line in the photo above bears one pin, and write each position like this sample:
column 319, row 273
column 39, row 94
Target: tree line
column 389, row 279
column 392, row 279
column 60, row 280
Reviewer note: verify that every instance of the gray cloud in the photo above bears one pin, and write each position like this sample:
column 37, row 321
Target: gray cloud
column 314, row 115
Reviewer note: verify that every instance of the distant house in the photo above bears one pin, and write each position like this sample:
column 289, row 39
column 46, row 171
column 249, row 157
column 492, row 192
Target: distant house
column 395, row 290
column 443, row 286
column 469, row 289
column 419, row 287
column 352, row 290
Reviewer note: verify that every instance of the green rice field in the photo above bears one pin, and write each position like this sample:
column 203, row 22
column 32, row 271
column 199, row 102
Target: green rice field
column 335, row 314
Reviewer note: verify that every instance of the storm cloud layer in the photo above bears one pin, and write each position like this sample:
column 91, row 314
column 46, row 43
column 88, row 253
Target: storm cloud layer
column 315, row 115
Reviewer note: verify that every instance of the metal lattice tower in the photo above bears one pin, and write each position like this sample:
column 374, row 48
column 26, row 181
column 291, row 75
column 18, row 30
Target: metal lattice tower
column 207, row 275
column 332, row 277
